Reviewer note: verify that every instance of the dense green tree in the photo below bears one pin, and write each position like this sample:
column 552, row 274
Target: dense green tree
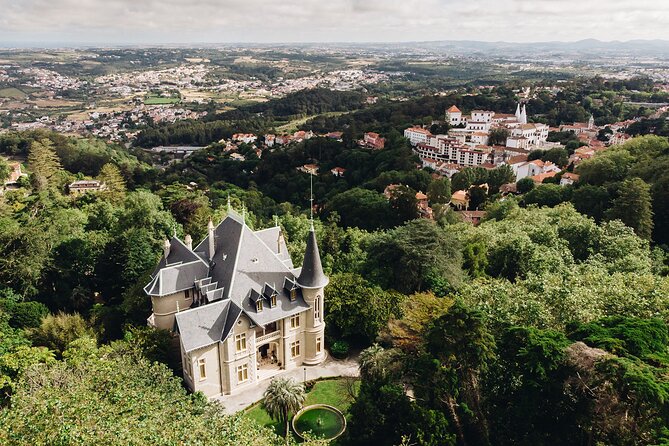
column 439, row 191
column 44, row 165
column 497, row 136
column 524, row 185
column 4, row 170
column 362, row 208
column 114, row 182
column 546, row 195
column 57, row 331
column 463, row 347
column 634, row 207
column 591, row 200
column 405, row 257
column 98, row 397
column 357, row 309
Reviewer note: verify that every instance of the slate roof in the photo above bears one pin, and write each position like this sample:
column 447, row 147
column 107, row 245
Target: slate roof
column 198, row 328
column 312, row 275
column 245, row 264
column 179, row 277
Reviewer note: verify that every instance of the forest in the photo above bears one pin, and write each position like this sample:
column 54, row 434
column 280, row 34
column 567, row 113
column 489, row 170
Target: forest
column 546, row 324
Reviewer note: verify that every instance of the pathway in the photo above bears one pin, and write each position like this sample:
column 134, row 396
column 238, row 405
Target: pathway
column 331, row 367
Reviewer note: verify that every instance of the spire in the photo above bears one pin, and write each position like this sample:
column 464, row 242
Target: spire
column 523, row 115
column 311, row 276
column 311, row 201
column 229, row 205
column 518, row 112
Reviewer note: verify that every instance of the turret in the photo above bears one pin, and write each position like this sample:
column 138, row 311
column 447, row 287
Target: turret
column 188, row 241
column 313, row 282
column 312, row 276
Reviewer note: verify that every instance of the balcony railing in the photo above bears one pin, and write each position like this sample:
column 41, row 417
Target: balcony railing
column 268, row 337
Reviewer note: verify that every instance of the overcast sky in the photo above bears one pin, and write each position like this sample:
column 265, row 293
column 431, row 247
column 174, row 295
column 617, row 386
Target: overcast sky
column 213, row 21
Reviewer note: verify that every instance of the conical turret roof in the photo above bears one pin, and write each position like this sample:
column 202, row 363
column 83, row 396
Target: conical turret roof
column 312, row 275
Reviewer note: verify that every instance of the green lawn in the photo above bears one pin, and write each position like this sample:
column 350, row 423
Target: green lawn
column 159, row 100
column 331, row 391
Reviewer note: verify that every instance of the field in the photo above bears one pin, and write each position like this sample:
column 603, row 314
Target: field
column 293, row 125
column 12, row 93
column 159, row 100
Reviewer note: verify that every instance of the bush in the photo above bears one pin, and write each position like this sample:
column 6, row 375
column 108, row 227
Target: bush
column 339, row 349
column 28, row 314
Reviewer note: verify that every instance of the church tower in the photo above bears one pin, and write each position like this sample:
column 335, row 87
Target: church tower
column 523, row 115
column 591, row 122
column 313, row 281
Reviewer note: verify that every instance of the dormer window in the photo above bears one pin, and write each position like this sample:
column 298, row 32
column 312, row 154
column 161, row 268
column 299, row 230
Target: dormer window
column 273, row 300
column 259, row 306
column 293, row 295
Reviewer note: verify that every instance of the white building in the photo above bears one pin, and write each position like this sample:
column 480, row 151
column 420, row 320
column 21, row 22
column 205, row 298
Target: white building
column 417, row 135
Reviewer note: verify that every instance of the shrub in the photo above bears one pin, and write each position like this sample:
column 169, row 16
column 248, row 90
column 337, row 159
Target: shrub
column 339, row 349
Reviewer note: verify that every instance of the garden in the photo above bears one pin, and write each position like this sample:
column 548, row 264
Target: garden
column 321, row 414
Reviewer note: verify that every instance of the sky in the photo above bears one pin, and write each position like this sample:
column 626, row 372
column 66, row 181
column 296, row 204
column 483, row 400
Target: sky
column 276, row 21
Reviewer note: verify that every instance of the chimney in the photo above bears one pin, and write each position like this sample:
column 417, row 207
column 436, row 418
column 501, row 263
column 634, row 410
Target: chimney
column 188, row 240
column 212, row 245
column 166, row 248
column 278, row 242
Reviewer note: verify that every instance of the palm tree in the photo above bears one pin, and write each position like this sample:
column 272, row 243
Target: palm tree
column 282, row 397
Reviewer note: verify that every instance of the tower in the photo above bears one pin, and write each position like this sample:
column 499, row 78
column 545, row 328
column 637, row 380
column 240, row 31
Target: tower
column 591, row 122
column 518, row 112
column 313, row 281
column 523, row 115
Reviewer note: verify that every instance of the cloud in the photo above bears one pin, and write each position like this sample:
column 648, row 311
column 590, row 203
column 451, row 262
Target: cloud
column 173, row 21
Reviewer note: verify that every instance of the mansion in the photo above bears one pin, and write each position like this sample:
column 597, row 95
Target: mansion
column 242, row 312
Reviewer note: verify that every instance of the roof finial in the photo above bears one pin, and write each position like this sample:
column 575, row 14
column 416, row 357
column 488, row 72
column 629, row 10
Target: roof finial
column 229, row 205
column 276, row 220
column 243, row 213
column 311, row 200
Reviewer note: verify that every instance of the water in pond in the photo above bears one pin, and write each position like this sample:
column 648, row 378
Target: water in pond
column 321, row 422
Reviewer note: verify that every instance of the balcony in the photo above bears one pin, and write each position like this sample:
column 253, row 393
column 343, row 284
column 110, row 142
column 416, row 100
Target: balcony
column 268, row 337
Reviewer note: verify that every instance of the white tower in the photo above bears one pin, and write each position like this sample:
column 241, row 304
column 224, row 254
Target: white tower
column 523, row 116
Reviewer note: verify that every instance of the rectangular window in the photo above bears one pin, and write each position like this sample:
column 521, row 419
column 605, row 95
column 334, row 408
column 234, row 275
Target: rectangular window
column 319, row 345
column 274, row 300
column 259, row 305
column 240, row 342
column 295, row 321
column 317, row 309
column 187, row 294
column 242, row 373
column 202, row 363
column 293, row 294
column 295, row 349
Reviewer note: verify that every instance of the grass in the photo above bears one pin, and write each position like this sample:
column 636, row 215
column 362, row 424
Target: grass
column 157, row 100
column 331, row 391
column 12, row 93
column 293, row 125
